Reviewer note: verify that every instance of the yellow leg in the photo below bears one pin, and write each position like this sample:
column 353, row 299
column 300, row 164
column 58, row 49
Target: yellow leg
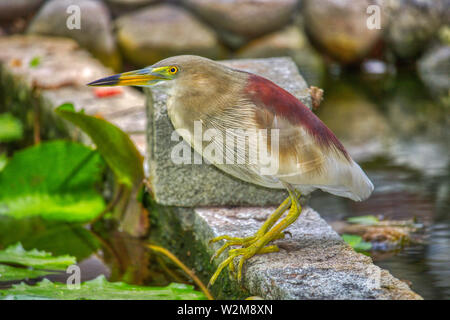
column 258, row 245
column 245, row 242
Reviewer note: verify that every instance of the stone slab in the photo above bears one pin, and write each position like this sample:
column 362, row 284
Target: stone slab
column 203, row 185
column 313, row 261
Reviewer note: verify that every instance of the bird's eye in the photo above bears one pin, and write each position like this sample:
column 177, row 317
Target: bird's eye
column 173, row 70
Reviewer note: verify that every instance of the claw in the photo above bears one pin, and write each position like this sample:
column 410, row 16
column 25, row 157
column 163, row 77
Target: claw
column 245, row 253
column 257, row 244
column 231, row 241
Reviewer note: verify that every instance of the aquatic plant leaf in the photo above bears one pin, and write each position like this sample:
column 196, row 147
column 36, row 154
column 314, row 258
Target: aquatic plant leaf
column 356, row 242
column 55, row 180
column 364, row 220
column 9, row 273
column 101, row 289
column 123, row 159
column 57, row 237
column 10, row 128
column 3, row 161
column 114, row 145
column 17, row 255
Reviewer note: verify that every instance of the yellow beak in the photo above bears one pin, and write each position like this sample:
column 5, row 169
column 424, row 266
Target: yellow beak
column 142, row 77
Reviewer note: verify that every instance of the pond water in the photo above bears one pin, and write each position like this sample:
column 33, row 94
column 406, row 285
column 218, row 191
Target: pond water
column 390, row 125
column 400, row 136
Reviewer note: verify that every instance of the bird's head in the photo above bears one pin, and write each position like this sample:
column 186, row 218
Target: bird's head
column 185, row 69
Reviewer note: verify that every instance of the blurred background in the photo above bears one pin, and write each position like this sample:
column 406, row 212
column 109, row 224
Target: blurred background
column 384, row 67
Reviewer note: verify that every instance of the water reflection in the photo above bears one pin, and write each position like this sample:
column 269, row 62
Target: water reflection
column 99, row 250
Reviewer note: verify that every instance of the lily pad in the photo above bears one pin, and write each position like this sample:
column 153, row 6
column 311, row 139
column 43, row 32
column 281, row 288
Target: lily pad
column 364, row 220
column 16, row 254
column 9, row 273
column 101, row 289
column 56, row 237
column 55, row 180
column 356, row 242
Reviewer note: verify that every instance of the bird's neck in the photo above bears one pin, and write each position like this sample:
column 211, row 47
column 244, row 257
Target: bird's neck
column 201, row 98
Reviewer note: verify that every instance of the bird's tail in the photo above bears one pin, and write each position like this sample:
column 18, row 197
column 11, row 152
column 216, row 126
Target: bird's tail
column 354, row 184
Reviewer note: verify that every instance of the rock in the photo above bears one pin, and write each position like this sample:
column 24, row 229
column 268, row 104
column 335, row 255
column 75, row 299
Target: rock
column 421, row 128
column 339, row 28
column 314, row 263
column 94, row 33
column 60, row 76
column 289, row 42
column 203, row 185
column 11, row 10
column 161, row 31
column 412, row 24
column 119, row 7
column 346, row 112
column 239, row 20
column 434, row 70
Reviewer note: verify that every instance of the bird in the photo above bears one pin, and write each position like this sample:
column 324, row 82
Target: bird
column 242, row 105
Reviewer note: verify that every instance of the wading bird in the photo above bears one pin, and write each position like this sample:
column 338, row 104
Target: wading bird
column 308, row 157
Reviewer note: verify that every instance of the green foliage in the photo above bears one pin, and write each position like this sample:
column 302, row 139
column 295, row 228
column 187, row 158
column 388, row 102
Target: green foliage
column 55, row 180
column 101, row 289
column 36, row 61
column 8, row 273
column 123, row 159
column 56, row 237
column 3, row 161
column 17, row 255
column 364, row 220
column 10, row 128
column 356, row 242
column 114, row 145
column 33, row 263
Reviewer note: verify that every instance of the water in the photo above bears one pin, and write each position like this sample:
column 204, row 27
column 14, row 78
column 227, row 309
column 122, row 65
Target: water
column 400, row 136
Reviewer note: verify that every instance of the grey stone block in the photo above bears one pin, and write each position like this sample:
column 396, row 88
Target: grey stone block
column 313, row 263
column 203, row 185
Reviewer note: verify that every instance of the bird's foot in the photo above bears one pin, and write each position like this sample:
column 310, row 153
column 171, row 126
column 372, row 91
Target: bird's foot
column 245, row 254
column 234, row 241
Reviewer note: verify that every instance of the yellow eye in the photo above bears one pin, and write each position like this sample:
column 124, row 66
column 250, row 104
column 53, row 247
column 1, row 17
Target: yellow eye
column 173, row 70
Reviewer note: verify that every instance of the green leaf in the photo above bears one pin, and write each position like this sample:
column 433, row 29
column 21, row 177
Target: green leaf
column 101, row 289
column 55, row 180
column 10, row 128
column 3, row 161
column 8, row 273
column 16, row 254
column 356, row 242
column 114, row 145
column 52, row 236
column 364, row 220
column 36, row 61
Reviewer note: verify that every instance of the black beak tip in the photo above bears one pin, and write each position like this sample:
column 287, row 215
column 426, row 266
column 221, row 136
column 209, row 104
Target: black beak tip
column 108, row 81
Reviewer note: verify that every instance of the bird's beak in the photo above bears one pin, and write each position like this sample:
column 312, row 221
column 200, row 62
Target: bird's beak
column 143, row 77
